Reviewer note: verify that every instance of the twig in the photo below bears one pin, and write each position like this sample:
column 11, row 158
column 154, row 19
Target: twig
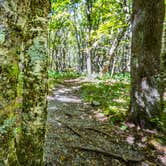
column 99, row 131
column 74, row 131
column 69, row 127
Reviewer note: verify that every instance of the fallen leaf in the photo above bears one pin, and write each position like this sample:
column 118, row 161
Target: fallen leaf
column 130, row 140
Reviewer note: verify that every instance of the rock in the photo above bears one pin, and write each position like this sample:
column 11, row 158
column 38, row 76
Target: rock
column 95, row 103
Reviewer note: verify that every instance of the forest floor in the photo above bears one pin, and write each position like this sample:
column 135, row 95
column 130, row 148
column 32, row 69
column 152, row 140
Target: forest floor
column 79, row 135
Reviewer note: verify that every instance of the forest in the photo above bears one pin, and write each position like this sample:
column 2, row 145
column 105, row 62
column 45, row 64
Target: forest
column 82, row 83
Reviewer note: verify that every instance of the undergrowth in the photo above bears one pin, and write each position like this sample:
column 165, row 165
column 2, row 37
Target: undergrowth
column 125, row 77
column 62, row 75
column 55, row 77
column 112, row 98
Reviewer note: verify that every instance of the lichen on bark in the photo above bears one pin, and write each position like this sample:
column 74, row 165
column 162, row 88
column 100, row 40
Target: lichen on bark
column 23, row 80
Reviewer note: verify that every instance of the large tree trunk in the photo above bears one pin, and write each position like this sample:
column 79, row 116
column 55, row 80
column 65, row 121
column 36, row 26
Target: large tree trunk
column 34, row 110
column 10, row 40
column 147, row 26
column 23, row 36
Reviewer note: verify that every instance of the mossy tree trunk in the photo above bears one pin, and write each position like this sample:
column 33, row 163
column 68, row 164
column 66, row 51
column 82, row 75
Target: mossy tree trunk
column 10, row 39
column 35, row 82
column 147, row 25
column 23, row 36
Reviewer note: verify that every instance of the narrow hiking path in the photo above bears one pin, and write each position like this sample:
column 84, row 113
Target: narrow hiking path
column 77, row 135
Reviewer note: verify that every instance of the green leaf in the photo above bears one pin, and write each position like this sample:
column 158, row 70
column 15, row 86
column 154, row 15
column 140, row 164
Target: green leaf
column 123, row 127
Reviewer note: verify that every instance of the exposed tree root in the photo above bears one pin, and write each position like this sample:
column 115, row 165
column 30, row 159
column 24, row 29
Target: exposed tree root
column 74, row 131
column 99, row 131
column 93, row 142
column 98, row 150
column 89, row 137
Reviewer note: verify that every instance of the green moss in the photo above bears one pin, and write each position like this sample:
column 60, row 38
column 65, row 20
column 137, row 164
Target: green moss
column 59, row 77
column 13, row 71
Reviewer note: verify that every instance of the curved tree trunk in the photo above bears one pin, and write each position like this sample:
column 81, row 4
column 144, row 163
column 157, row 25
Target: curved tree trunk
column 147, row 26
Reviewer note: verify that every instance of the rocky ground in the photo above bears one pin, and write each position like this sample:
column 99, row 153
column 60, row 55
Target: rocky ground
column 78, row 135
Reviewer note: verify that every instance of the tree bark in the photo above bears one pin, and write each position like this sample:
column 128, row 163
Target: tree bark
column 89, row 6
column 34, row 110
column 112, row 50
column 23, row 82
column 10, row 38
column 147, row 24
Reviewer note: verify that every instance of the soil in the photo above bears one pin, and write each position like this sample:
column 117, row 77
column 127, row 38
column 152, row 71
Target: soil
column 78, row 135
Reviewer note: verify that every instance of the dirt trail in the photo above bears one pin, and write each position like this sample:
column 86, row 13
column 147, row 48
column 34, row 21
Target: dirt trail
column 78, row 136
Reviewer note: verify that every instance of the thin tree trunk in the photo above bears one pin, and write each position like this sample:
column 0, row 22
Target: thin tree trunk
column 111, row 55
column 113, row 67
column 88, row 62
column 89, row 5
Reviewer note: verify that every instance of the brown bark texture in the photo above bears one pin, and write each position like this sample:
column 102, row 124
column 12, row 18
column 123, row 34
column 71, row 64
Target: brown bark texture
column 147, row 25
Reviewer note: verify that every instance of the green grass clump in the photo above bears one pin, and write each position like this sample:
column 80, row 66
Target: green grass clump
column 63, row 75
column 122, row 77
column 56, row 77
column 125, row 77
column 113, row 98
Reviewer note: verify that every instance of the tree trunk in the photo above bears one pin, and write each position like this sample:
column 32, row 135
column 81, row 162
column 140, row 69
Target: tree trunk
column 88, row 62
column 89, row 6
column 23, row 81
column 35, row 83
column 10, row 40
column 147, row 23
column 112, row 50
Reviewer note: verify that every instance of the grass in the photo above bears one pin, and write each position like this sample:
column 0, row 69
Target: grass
column 124, row 77
column 112, row 98
column 62, row 75
column 59, row 77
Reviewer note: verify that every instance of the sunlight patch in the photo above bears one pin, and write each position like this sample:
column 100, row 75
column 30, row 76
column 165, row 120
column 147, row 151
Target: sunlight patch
column 99, row 115
column 67, row 99
column 152, row 95
column 52, row 108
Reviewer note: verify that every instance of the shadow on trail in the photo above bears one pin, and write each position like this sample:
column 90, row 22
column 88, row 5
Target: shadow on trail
column 76, row 137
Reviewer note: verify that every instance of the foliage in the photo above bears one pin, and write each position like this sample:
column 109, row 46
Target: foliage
column 104, row 77
column 63, row 75
column 74, row 30
column 122, row 77
column 160, row 121
column 56, row 77
column 113, row 98
column 118, row 77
